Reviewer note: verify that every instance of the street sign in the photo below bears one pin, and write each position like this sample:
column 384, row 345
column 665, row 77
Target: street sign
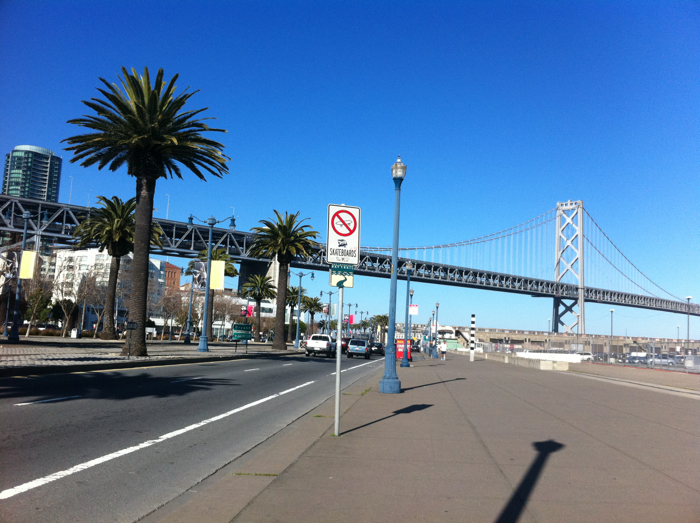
column 343, row 237
column 242, row 331
column 413, row 310
column 131, row 325
column 342, row 273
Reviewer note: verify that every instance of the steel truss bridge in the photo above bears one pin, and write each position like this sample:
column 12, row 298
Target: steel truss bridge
column 57, row 221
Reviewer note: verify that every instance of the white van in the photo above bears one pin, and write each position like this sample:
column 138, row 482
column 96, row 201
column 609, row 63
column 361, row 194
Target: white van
column 585, row 356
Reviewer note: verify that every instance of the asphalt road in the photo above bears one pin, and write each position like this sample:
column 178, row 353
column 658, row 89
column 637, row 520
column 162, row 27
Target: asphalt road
column 114, row 445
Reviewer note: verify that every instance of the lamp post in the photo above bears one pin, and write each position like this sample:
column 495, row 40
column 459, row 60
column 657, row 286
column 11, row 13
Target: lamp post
column 211, row 221
column 14, row 331
column 328, row 313
column 410, row 293
column 301, row 275
column 611, row 331
column 432, row 336
column 404, row 359
column 437, row 325
column 390, row 383
column 678, row 332
column 688, row 332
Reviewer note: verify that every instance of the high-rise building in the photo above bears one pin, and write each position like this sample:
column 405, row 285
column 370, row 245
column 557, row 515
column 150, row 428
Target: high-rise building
column 32, row 172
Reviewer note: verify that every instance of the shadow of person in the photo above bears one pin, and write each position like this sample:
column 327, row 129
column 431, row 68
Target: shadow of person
column 518, row 500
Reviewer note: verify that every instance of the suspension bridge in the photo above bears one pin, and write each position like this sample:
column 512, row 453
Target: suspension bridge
column 561, row 254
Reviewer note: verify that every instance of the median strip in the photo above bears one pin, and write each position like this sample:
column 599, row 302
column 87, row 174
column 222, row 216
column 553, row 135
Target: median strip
column 8, row 493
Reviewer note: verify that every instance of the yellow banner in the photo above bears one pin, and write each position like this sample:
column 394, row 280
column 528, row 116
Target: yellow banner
column 26, row 268
column 217, row 275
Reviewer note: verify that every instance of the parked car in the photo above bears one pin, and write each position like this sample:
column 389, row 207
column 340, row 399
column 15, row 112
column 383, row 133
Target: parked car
column 378, row 348
column 636, row 360
column 320, row 343
column 586, row 356
column 359, row 348
column 665, row 359
column 344, row 345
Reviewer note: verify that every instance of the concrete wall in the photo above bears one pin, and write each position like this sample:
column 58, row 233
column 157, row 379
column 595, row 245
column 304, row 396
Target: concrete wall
column 527, row 362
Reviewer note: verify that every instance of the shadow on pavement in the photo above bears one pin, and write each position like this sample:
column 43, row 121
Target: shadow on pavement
column 430, row 384
column 405, row 410
column 518, row 500
column 108, row 386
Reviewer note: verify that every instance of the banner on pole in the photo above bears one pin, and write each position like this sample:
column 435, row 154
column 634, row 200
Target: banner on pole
column 218, row 268
column 27, row 265
column 413, row 310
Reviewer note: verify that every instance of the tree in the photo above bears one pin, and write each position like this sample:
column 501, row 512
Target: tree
column 112, row 227
column 284, row 239
column 145, row 128
column 259, row 288
column 381, row 321
column 170, row 304
column 229, row 270
column 313, row 306
column 292, row 301
column 37, row 294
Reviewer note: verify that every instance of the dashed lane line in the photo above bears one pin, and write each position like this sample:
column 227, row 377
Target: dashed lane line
column 8, row 493
column 187, row 379
column 46, row 401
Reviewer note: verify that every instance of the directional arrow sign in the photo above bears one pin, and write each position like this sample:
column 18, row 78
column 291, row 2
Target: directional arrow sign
column 343, row 245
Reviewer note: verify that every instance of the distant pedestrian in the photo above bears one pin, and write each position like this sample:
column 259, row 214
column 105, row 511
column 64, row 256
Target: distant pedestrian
column 443, row 349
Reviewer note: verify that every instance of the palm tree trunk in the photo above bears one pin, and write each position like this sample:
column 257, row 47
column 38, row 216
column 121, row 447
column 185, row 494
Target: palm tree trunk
column 280, row 343
column 138, row 311
column 257, row 318
column 108, row 331
column 210, row 319
column 312, row 323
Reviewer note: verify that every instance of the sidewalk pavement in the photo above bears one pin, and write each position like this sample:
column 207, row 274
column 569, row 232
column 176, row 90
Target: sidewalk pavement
column 480, row 441
column 44, row 355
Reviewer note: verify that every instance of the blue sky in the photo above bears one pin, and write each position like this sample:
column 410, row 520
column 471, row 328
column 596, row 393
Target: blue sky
column 499, row 109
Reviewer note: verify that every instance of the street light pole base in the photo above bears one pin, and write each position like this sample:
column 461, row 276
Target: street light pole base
column 405, row 364
column 203, row 344
column 390, row 386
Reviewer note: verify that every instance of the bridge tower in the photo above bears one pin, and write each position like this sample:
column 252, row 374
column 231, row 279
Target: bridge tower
column 569, row 313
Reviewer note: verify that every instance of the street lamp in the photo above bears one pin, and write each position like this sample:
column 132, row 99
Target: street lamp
column 390, row 383
column 211, row 221
column 410, row 293
column 431, row 336
column 14, row 331
column 404, row 359
column 301, row 275
column 688, row 332
column 437, row 310
column 678, row 332
column 328, row 312
column 611, row 329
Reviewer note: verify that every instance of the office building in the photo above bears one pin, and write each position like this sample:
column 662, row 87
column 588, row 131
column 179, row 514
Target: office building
column 32, row 172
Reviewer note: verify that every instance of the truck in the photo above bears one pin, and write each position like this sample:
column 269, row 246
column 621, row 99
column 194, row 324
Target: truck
column 320, row 343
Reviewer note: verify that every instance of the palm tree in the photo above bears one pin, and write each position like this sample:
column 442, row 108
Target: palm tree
column 111, row 227
column 145, row 127
column 229, row 270
column 292, row 302
column 381, row 321
column 313, row 306
column 285, row 239
column 259, row 288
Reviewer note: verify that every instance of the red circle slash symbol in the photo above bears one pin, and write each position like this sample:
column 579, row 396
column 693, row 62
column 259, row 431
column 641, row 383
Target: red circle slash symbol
column 343, row 225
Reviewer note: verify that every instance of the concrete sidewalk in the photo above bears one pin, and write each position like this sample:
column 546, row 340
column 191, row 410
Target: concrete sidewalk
column 481, row 441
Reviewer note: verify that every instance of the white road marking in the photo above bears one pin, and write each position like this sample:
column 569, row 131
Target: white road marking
column 357, row 366
column 250, row 370
column 46, row 401
column 186, row 379
column 8, row 493
column 287, row 364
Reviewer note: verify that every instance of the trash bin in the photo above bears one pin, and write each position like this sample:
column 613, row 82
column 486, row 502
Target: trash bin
column 74, row 333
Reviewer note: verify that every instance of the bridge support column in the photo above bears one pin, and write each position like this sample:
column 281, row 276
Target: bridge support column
column 569, row 312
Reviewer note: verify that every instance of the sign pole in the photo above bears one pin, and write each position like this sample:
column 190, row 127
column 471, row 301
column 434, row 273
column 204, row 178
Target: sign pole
column 338, row 353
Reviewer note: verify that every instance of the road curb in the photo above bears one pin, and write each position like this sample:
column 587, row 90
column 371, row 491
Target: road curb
column 7, row 372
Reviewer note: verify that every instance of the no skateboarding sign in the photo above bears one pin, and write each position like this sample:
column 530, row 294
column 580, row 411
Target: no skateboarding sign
column 343, row 245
